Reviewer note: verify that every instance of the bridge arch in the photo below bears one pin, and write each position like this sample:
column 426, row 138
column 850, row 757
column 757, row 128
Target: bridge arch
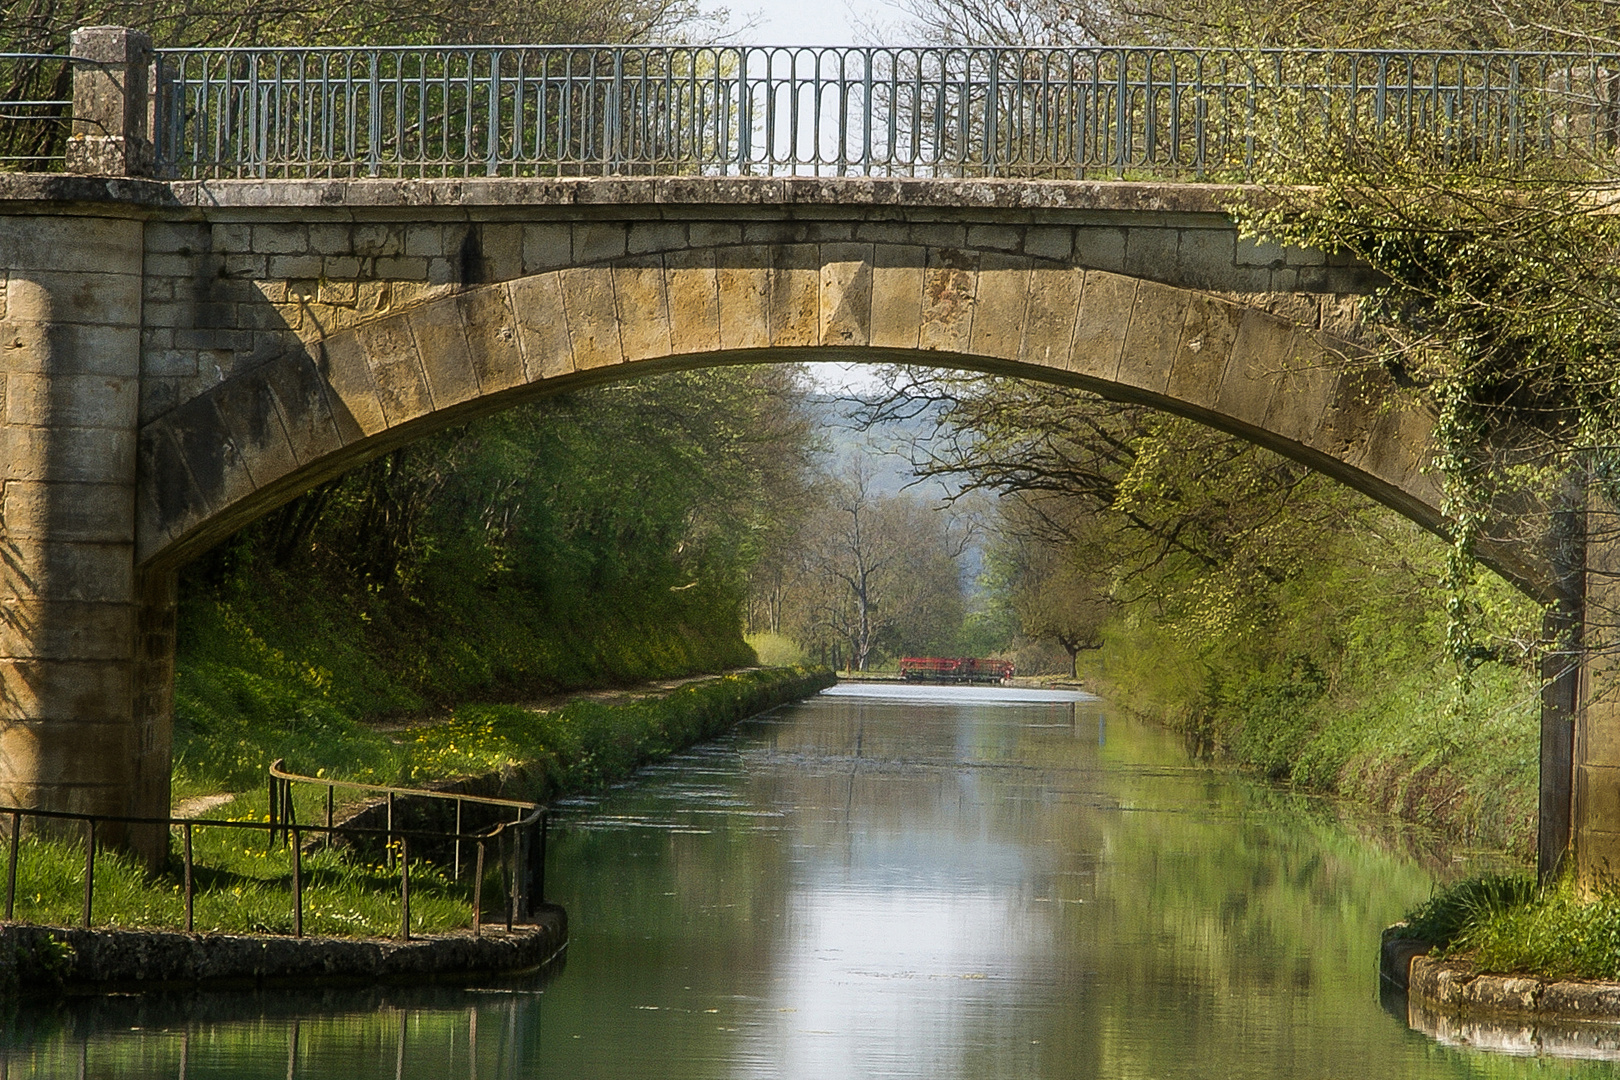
column 267, row 434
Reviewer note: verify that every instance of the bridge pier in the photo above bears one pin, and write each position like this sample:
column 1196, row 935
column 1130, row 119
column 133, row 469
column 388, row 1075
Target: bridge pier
column 1595, row 794
column 83, row 696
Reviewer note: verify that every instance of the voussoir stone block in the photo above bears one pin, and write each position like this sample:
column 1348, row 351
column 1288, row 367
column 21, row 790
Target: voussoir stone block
column 643, row 308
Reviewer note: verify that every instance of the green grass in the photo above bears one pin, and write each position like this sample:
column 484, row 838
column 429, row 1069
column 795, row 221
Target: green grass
column 243, row 886
column 1505, row 924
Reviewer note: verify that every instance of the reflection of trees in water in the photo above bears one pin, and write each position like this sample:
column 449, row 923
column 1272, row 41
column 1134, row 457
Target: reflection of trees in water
column 424, row 1031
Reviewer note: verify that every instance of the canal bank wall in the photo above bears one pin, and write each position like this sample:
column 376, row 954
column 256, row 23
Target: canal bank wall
column 1452, row 989
column 62, row 960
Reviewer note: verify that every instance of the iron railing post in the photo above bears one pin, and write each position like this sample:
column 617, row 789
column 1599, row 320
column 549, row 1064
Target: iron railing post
column 89, row 870
column 478, row 892
column 298, row 882
column 186, row 848
column 404, row 888
column 11, row 865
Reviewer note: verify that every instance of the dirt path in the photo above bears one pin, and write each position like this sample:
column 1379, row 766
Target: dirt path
column 613, row 695
column 200, row 805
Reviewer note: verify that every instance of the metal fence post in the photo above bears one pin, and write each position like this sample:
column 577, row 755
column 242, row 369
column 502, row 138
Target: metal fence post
column 11, row 866
column 478, row 893
column 404, row 888
column 188, row 885
column 540, row 873
column 298, row 882
column 89, row 869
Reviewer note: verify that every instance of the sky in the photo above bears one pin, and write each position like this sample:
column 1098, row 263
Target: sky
column 806, row 22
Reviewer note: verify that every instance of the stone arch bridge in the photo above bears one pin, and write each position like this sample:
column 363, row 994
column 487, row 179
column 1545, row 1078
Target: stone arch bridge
column 178, row 358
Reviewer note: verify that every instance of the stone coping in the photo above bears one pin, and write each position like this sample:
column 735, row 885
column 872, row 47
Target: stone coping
column 909, row 196
column 113, row 960
column 1452, row 988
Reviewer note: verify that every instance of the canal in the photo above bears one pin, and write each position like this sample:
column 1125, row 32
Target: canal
column 885, row 882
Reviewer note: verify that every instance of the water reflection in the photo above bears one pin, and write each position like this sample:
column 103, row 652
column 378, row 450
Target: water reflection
column 423, row 1032
column 889, row 881
column 1521, row 1037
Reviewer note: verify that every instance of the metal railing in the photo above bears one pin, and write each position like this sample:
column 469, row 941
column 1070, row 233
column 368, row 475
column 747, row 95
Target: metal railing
column 525, row 881
column 35, row 108
column 414, row 111
column 283, row 815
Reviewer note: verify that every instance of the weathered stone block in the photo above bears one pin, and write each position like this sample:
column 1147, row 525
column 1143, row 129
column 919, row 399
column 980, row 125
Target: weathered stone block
column 65, row 629
column 1098, row 247
column 495, row 318
column 1049, row 242
column 82, row 761
column 248, row 410
column 401, row 268
column 1304, row 390
column 74, row 401
column 846, row 294
column 949, row 282
column 1205, row 345
column 424, row 240
column 282, row 238
column 96, row 513
column 694, row 302
column 593, row 326
column 1001, row 298
column 442, row 343
column 342, row 267
column 294, row 266
column 79, row 571
column 1204, row 258
column 1157, row 317
column 713, row 233
column 638, row 289
column 743, row 277
column 547, row 247
column 898, row 277
column 86, row 298
column 351, row 394
column 1054, row 301
column 372, row 241
column 1151, row 253
column 68, row 455
column 331, row 239
column 651, row 236
column 396, row 369
column 542, row 327
column 794, row 302
column 1005, row 238
column 1099, row 330
column 1261, row 353
column 501, row 248
column 599, row 241
column 70, row 245
column 171, row 237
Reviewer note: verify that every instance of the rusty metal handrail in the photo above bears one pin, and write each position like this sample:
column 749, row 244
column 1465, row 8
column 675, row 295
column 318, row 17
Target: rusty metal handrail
column 281, row 806
column 518, row 895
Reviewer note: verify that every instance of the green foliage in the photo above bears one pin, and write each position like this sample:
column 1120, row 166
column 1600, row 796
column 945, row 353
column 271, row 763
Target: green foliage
column 1506, row 924
column 587, row 743
column 594, row 539
column 1455, row 908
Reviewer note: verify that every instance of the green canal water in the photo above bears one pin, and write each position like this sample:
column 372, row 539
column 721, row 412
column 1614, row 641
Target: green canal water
column 890, row 882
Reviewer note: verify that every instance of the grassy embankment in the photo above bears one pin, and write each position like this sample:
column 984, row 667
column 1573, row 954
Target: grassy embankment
column 287, row 676
column 1346, row 688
